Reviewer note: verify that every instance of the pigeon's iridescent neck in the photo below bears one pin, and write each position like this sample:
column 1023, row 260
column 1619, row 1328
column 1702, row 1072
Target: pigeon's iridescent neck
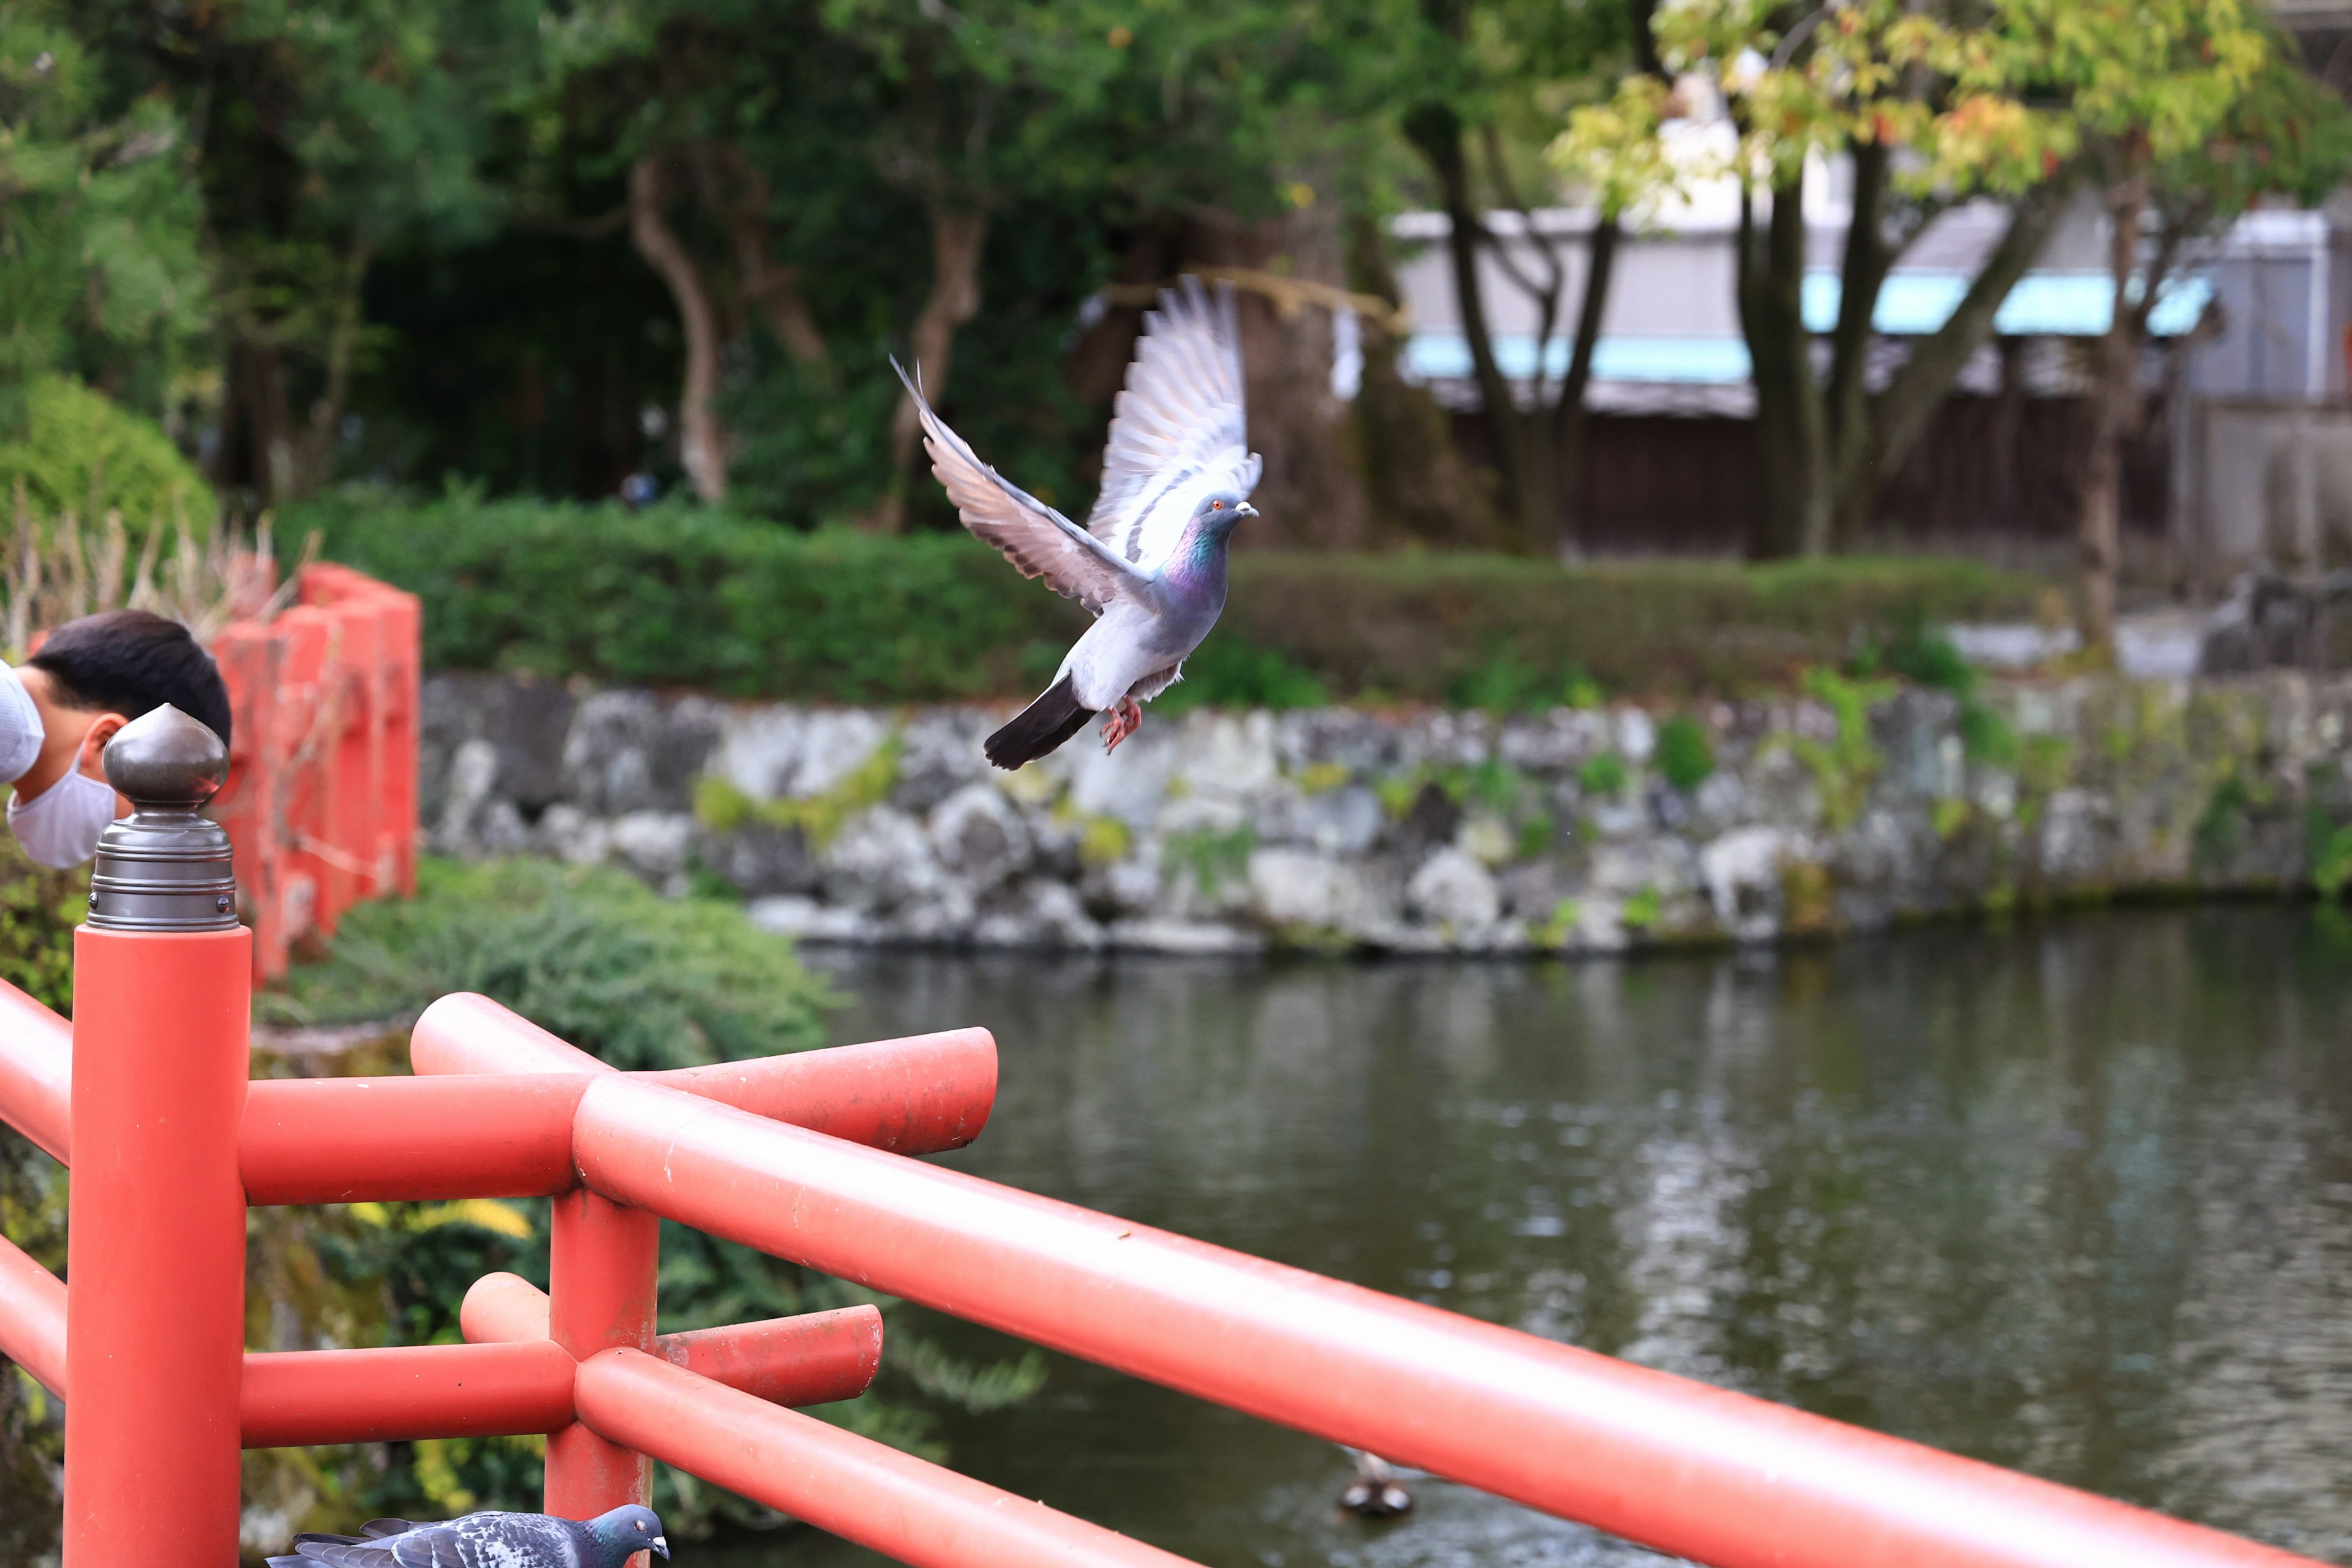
column 1196, row 568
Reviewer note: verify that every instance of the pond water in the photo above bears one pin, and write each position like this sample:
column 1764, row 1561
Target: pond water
column 2075, row 1197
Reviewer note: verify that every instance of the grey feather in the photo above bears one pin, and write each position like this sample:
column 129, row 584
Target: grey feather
column 482, row 1541
column 1180, row 430
column 1037, row 540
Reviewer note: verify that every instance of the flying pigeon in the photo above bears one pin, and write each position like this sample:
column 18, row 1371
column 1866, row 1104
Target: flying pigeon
column 486, row 1541
column 1149, row 565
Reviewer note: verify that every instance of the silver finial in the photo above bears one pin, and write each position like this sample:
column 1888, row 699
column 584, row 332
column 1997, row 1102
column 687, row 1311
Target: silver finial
column 164, row 868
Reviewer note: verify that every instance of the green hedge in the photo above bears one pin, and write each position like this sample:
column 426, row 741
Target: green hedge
column 677, row 595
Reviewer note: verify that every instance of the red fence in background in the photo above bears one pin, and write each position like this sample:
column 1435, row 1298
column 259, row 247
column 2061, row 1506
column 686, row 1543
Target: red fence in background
column 321, row 803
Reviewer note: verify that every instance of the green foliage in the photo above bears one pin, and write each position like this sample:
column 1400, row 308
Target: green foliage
column 1686, row 756
column 1604, row 774
column 1215, row 859
column 1985, row 736
column 684, row 596
column 99, row 270
column 1644, row 909
column 1922, row 656
column 2222, row 827
column 1104, row 841
column 1844, row 768
column 1225, row 672
column 39, row 909
column 1505, row 683
column 592, row 955
column 80, row 451
column 720, row 805
column 2328, row 849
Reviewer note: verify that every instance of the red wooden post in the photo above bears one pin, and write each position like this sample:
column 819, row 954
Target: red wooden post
column 601, row 1266
column 403, row 711
column 310, row 752
column 155, row 1319
column 251, row 804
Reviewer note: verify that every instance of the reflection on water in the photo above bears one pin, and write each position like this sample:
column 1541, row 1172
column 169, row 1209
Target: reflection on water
column 2077, row 1199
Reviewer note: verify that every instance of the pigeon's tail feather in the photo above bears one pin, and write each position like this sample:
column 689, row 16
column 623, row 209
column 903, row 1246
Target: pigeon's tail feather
column 1039, row 728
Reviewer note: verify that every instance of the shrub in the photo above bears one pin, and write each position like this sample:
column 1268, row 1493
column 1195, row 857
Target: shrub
column 1684, row 754
column 636, row 979
column 691, row 596
column 83, row 452
column 1227, row 672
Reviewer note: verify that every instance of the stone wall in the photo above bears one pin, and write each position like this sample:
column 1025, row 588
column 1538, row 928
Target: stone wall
column 1845, row 809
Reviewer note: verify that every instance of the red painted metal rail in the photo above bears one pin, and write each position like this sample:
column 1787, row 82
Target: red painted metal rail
column 805, row 1157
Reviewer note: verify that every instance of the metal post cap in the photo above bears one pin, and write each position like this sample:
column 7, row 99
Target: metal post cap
column 164, row 868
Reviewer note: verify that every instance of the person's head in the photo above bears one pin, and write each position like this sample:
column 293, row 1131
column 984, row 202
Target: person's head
column 92, row 677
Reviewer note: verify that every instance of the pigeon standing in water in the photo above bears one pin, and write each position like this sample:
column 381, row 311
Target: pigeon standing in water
column 486, row 1541
column 1149, row 565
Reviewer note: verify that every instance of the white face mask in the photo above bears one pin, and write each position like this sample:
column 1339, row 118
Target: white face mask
column 59, row 827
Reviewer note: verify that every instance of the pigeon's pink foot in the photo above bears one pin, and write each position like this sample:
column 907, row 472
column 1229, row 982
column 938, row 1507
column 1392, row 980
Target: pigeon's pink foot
column 1125, row 720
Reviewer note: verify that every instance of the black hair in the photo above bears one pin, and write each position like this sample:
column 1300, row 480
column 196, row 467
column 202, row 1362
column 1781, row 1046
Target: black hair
column 131, row 662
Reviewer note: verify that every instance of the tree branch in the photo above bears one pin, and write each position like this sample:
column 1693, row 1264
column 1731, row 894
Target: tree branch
column 1934, row 362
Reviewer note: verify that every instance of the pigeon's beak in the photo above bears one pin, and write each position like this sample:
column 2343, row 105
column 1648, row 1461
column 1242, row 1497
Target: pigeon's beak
column 1245, row 510
column 661, row 1544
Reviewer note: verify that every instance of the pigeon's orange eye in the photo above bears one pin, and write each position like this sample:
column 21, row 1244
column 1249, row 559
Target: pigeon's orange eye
column 1216, row 506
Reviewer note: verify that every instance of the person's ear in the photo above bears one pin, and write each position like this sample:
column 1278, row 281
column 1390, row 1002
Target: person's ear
column 90, row 759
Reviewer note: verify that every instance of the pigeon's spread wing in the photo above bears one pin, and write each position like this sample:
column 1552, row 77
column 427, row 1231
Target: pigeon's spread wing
column 1180, row 431
column 1037, row 540
column 476, row 1541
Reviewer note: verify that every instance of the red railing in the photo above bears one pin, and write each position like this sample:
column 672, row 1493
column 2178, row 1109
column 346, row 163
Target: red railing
column 321, row 798
column 806, row 1157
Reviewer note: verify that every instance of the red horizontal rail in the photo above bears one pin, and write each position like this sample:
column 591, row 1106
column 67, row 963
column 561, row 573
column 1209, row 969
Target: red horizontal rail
column 849, row 1486
column 1700, row 1471
column 35, row 1071
column 327, row 1396
column 918, row 1095
column 403, row 1392
column 343, row 1139
column 33, row 1318
column 500, row 1308
column 816, row 1358
column 813, row 1358
column 914, row 1095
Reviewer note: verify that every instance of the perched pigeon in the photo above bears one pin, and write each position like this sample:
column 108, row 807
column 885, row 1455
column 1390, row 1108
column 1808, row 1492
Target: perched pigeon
column 486, row 1541
column 1151, row 563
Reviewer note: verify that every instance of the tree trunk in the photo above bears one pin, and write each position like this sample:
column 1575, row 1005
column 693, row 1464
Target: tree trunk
column 1790, row 427
column 958, row 238
column 1571, row 419
column 2008, row 420
column 737, row 190
column 1862, row 276
column 257, row 414
column 2114, row 404
column 1900, row 414
column 702, row 437
column 1436, row 131
column 1417, row 483
column 314, row 456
